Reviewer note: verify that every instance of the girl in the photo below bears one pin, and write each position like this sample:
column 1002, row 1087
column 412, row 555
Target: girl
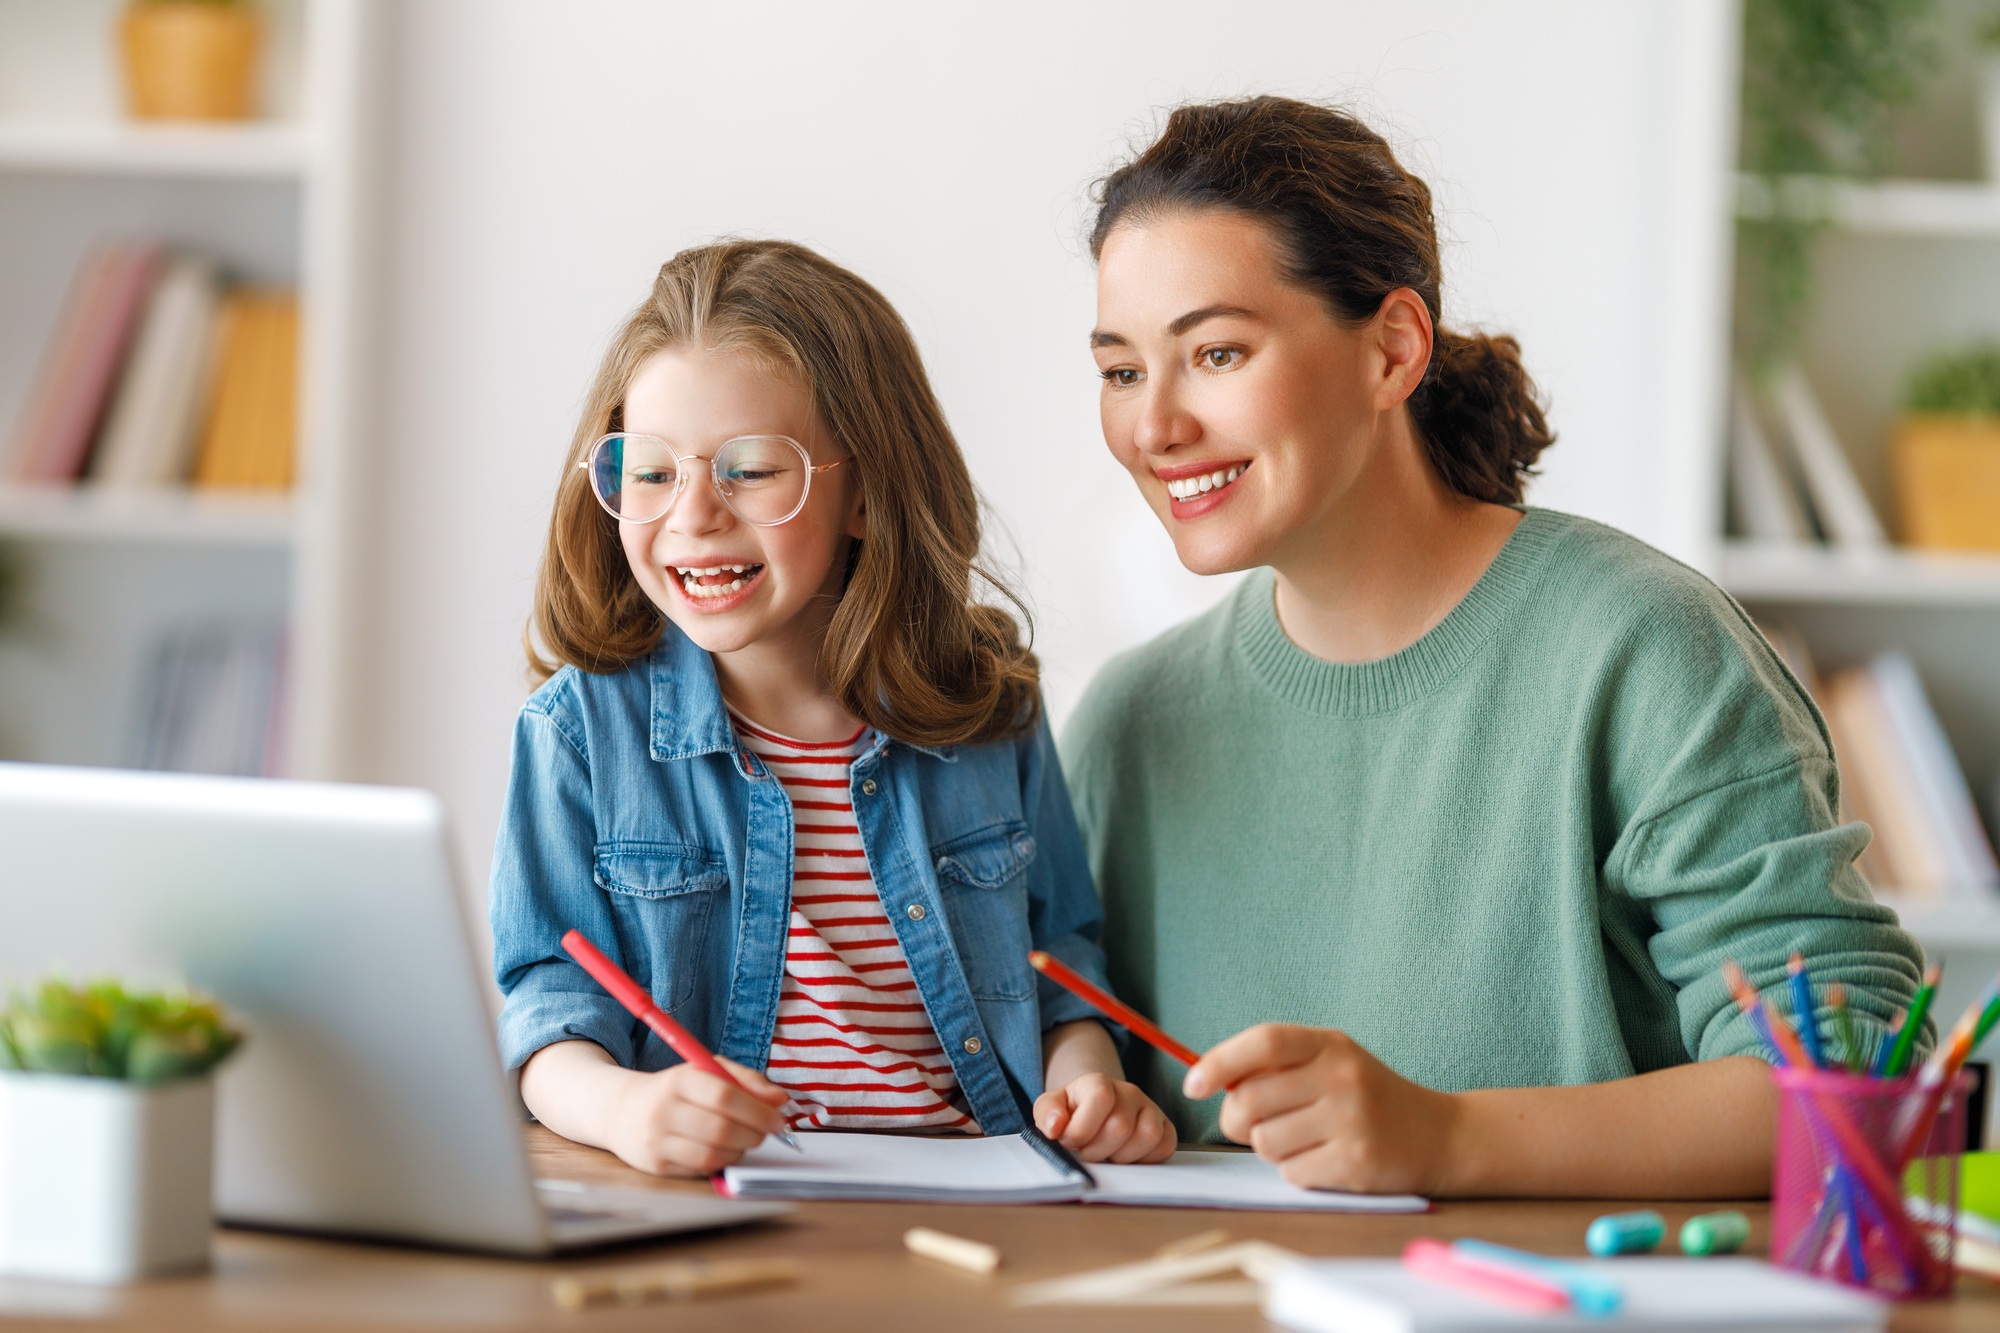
column 787, row 773
column 1513, row 784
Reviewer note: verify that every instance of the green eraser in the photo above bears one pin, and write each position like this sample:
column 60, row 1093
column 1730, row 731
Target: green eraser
column 1715, row 1233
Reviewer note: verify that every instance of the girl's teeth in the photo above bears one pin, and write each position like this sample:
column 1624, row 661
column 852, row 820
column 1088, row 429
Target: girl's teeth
column 1186, row 488
column 691, row 580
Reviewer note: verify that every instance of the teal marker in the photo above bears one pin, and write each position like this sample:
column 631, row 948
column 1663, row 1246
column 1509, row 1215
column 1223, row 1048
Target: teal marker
column 1625, row 1233
column 1715, row 1233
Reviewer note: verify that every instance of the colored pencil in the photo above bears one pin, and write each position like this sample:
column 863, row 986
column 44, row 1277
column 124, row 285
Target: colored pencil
column 1843, row 1029
column 1803, row 1010
column 1913, row 1023
column 1887, row 1047
column 1861, row 1158
column 633, row 996
column 1110, row 1006
column 1936, row 1076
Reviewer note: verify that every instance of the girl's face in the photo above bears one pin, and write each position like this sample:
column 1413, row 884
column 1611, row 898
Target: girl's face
column 696, row 400
column 1247, row 414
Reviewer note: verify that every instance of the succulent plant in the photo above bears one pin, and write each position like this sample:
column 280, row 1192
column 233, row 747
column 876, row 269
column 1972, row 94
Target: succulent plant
column 1958, row 382
column 102, row 1031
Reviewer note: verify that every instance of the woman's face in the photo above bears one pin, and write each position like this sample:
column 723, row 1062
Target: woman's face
column 1246, row 413
column 726, row 583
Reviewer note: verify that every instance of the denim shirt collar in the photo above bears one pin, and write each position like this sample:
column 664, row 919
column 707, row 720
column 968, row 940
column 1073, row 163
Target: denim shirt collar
column 689, row 717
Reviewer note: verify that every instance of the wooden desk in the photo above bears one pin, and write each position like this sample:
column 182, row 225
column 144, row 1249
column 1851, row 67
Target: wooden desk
column 857, row 1274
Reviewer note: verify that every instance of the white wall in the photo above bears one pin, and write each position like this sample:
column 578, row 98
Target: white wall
column 546, row 158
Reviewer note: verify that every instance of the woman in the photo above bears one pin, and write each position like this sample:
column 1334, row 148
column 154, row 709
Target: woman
column 1452, row 813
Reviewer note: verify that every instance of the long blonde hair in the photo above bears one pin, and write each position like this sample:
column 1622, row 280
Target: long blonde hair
column 909, row 651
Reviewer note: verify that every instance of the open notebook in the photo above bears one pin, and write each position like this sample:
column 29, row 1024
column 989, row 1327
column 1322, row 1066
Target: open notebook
column 1026, row 1168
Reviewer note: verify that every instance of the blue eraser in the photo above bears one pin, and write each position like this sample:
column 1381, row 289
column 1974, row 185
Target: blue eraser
column 1625, row 1233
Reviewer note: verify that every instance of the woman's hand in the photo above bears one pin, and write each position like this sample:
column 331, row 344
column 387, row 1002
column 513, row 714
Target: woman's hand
column 1326, row 1112
column 682, row 1122
column 1105, row 1119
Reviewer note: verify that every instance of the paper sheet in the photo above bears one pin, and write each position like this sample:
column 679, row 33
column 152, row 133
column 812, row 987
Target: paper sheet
column 1231, row 1180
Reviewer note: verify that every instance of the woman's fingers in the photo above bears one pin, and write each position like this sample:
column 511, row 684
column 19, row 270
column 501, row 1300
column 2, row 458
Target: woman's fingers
column 1259, row 1098
column 1254, row 1050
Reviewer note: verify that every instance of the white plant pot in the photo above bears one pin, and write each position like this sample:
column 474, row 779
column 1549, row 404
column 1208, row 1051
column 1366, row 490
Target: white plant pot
column 103, row 1181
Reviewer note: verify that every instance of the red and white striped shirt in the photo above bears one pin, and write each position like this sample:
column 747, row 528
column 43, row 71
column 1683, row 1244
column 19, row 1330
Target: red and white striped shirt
column 853, row 1044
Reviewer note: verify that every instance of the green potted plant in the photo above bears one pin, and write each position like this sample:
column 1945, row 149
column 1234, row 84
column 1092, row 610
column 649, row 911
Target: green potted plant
column 190, row 59
column 107, row 1128
column 1822, row 80
column 1946, row 455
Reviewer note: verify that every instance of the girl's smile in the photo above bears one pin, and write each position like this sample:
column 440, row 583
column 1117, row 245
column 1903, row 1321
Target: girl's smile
column 713, row 588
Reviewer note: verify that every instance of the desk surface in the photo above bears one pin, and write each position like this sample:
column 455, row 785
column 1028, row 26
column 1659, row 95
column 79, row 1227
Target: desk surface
column 857, row 1274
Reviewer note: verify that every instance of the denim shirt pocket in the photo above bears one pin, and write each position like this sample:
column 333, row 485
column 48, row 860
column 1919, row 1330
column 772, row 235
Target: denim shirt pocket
column 982, row 879
column 662, row 895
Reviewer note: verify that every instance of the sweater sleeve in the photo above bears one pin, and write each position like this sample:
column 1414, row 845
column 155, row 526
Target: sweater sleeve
column 1754, row 869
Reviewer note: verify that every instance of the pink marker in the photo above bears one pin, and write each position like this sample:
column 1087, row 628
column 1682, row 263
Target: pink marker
column 1514, row 1287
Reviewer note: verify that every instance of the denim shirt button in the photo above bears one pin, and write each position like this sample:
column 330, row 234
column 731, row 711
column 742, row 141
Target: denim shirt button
column 868, row 787
column 916, row 911
column 973, row 1045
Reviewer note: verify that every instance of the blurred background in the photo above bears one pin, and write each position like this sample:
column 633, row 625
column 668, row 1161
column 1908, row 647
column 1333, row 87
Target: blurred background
column 298, row 301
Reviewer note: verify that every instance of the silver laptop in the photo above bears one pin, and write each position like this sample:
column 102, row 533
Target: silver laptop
column 368, row 1099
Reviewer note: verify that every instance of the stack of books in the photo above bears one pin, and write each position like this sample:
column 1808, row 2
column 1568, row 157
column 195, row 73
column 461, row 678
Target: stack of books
column 212, row 700
column 1898, row 775
column 1789, row 478
column 159, row 375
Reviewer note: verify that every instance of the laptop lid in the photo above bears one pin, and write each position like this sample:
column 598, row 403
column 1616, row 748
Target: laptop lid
column 368, row 1098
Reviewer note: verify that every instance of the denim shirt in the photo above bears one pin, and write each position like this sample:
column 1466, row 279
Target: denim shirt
column 635, row 815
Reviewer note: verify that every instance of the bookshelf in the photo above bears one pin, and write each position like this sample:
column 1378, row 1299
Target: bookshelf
column 1904, row 267
column 100, row 576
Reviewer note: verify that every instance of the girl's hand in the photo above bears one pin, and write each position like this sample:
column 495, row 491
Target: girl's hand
column 1329, row 1114
column 682, row 1122
column 1105, row 1119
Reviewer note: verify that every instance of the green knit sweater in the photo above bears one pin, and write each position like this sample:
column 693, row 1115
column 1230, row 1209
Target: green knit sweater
column 1515, row 853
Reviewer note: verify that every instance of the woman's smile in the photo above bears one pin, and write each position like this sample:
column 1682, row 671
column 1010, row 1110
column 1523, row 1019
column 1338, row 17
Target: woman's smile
column 1195, row 489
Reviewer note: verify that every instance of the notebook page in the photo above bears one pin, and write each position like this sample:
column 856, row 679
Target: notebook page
column 898, row 1166
column 1681, row 1295
column 1231, row 1180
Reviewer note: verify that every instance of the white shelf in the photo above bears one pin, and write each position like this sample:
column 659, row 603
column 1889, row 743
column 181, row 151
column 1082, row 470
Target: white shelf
column 1965, row 209
column 1961, row 923
column 250, row 151
column 1791, row 572
column 174, row 517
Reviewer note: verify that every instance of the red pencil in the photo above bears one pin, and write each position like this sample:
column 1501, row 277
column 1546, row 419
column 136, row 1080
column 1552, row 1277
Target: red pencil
column 1109, row 1005
column 633, row 996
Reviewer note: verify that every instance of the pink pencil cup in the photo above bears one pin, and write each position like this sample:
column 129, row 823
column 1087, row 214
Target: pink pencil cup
column 1885, row 1224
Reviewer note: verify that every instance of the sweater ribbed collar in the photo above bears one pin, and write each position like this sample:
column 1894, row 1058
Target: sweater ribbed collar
column 1339, row 689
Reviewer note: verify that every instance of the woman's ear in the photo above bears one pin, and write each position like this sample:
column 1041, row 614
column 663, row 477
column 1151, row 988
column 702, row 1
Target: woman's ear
column 1403, row 335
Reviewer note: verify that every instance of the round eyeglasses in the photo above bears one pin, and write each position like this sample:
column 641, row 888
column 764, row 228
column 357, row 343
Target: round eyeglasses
column 763, row 479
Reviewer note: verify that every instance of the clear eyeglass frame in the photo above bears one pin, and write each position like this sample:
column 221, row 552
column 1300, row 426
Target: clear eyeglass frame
column 725, row 488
